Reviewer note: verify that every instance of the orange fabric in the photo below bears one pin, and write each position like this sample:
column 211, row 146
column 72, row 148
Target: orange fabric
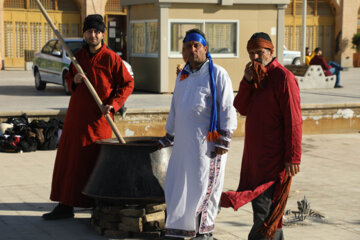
column 259, row 69
column 257, row 43
column 272, row 223
column 213, row 136
column 183, row 76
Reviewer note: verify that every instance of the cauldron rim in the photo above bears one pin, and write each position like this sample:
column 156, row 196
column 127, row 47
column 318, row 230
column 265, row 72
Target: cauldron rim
column 150, row 198
column 131, row 141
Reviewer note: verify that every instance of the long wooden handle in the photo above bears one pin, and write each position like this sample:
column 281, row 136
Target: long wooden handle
column 80, row 70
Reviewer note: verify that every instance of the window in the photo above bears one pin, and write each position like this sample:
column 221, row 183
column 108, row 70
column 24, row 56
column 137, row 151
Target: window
column 35, row 36
column 57, row 48
column 8, row 39
column 221, row 36
column 144, row 41
column 74, row 46
column 114, row 6
column 21, row 38
column 48, row 48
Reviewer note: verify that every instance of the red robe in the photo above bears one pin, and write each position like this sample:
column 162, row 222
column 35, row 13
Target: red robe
column 320, row 60
column 272, row 134
column 85, row 124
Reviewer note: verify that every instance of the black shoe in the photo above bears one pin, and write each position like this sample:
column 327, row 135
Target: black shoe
column 61, row 211
column 338, row 86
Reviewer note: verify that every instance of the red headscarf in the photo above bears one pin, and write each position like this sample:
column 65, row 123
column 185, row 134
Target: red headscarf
column 258, row 68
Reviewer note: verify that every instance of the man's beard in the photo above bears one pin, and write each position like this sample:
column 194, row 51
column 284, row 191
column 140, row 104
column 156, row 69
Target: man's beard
column 93, row 44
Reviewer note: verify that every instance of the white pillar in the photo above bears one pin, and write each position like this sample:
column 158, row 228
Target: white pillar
column 280, row 32
column 163, row 48
column 303, row 43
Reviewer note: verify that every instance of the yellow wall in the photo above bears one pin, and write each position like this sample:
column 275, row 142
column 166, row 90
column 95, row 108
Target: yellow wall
column 143, row 12
column 35, row 16
column 252, row 18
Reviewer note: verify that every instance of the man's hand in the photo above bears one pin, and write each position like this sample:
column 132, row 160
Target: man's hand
column 248, row 73
column 292, row 168
column 220, row 151
column 107, row 109
column 79, row 78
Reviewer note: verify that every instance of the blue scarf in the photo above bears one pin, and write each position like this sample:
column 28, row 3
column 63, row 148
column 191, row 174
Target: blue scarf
column 213, row 134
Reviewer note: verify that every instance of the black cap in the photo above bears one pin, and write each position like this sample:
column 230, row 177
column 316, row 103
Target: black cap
column 317, row 49
column 261, row 35
column 94, row 21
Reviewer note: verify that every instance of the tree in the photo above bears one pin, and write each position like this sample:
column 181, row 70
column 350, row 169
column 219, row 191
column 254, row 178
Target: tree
column 356, row 41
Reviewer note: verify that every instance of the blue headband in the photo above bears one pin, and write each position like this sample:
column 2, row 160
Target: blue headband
column 195, row 37
column 213, row 135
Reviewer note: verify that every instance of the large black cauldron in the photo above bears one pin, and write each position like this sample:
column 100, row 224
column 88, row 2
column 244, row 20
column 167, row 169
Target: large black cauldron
column 129, row 173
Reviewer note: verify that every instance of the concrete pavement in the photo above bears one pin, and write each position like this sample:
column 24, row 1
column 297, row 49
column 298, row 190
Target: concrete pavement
column 17, row 93
column 329, row 171
column 329, row 179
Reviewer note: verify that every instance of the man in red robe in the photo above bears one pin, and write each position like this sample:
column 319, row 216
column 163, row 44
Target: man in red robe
column 269, row 97
column 85, row 122
column 329, row 69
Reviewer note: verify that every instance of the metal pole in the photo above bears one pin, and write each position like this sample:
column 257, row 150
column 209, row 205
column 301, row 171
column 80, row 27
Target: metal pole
column 79, row 69
column 303, row 45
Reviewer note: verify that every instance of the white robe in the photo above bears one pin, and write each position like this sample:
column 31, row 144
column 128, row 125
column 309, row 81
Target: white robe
column 195, row 177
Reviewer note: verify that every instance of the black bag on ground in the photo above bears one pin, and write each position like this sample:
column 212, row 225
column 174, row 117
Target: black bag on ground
column 48, row 139
column 19, row 121
column 10, row 144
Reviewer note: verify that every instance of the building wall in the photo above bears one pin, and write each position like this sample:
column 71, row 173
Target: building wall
column 146, row 69
column 348, row 25
column 251, row 18
column 2, row 53
column 85, row 8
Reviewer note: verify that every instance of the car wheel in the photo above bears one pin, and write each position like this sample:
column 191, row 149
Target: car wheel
column 296, row 61
column 39, row 84
column 66, row 88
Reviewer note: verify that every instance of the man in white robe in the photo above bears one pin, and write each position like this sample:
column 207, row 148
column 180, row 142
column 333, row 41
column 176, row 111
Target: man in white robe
column 200, row 125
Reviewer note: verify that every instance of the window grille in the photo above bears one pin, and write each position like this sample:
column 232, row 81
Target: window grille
column 289, row 9
column 35, row 36
column 323, row 8
column 310, row 37
column 221, row 37
column 8, row 26
column 21, row 38
column 298, row 7
column 318, row 7
column 288, row 41
column 328, row 48
column 14, row 4
column 48, row 4
column 178, row 31
column 138, row 38
column 114, row 6
column 151, row 37
column 298, row 38
column 67, row 5
column 49, row 33
column 64, row 29
column 320, row 37
column 75, row 30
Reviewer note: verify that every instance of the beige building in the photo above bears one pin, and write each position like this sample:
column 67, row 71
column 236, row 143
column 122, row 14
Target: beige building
column 22, row 26
column 149, row 33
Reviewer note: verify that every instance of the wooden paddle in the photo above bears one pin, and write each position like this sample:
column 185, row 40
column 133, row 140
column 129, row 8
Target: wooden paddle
column 79, row 69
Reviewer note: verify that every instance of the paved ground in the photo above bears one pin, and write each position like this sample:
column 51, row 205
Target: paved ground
column 17, row 93
column 329, row 172
column 329, row 179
